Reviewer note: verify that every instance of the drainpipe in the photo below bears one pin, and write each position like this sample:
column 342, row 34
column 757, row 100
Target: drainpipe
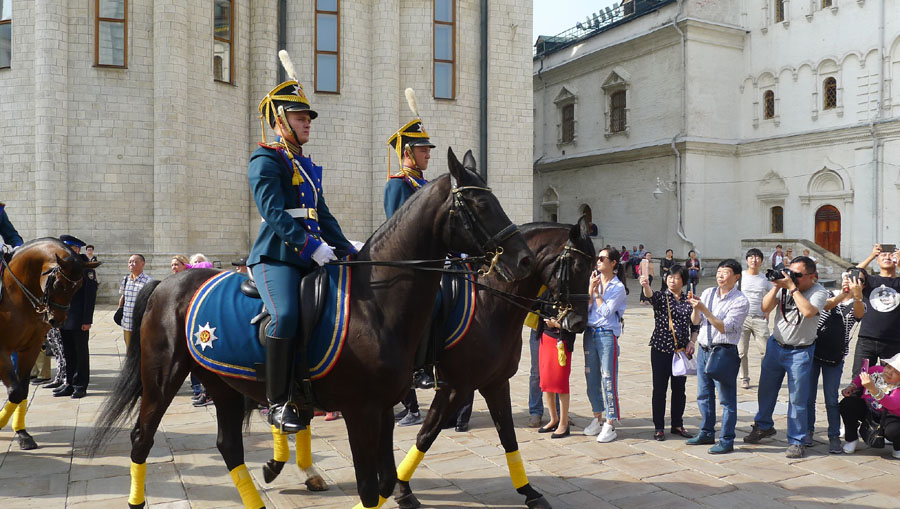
column 484, row 91
column 679, row 188
column 877, row 197
column 282, row 35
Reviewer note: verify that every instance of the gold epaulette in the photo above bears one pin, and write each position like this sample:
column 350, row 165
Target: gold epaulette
column 274, row 145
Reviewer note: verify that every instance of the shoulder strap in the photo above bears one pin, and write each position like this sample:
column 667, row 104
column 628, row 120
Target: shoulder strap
column 671, row 324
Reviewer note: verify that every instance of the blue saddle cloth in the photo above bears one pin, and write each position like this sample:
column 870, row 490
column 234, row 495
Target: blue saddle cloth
column 462, row 315
column 221, row 338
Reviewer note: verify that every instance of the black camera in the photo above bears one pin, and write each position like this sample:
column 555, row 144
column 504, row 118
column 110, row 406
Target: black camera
column 772, row 274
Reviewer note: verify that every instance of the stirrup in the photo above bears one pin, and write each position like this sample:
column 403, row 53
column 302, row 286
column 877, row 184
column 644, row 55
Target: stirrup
column 276, row 417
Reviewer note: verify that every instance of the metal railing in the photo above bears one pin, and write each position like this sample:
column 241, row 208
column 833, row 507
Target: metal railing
column 600, row 21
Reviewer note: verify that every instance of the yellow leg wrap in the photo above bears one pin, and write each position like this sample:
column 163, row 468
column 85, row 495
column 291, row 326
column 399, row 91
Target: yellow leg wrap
column 381, row 501
column 409, row 464
column 516, row 469
column 282, row 449
column 138, row 475
column 304, row 448
column 7, row 412
column 19, row 415
column 249, row 495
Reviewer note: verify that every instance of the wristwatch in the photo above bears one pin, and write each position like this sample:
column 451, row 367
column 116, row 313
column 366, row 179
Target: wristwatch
column 794, row 290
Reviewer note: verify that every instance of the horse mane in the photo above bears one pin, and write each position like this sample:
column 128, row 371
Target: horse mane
column 53, row 240
column 394, row 221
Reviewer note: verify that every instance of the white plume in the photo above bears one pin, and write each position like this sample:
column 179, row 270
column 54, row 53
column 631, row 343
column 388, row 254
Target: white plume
column 287, row 64
column 411, row 100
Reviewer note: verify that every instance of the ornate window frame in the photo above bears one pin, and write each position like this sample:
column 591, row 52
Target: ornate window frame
column 618, row 80
column 565, row 98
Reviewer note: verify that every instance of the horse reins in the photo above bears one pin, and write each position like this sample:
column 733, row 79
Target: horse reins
column 490, row 244
column 43, row 303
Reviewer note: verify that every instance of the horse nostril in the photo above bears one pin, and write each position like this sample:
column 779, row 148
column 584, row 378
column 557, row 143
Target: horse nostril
column 525, row 262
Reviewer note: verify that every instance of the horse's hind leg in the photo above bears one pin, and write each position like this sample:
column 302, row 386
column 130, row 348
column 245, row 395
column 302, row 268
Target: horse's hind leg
column 162, row 374
column 497, row 398
column 444, row 404
column 230, row 415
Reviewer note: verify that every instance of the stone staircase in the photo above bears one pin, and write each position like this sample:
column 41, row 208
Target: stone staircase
column 829, row 265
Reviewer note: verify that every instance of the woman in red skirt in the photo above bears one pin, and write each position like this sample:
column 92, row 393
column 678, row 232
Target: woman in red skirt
column 555, row 366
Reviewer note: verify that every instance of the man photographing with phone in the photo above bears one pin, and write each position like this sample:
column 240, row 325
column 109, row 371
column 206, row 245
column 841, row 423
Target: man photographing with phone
column 796, row 298
column 879, row 332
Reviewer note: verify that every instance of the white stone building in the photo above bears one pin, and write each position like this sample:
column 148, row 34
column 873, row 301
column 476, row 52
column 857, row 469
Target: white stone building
column 129, row 123
column 762, row 119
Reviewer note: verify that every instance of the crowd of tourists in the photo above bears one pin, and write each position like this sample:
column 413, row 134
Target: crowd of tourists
column 708, row 334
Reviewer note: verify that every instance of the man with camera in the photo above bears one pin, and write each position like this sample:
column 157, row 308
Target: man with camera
column 879, row 332
column 797, row 299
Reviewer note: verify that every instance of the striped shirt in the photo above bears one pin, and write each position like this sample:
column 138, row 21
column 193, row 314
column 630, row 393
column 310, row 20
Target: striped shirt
column 130, row 288
column 845, row 309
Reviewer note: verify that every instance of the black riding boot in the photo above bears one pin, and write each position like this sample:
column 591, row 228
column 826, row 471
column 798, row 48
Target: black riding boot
column 279, row 361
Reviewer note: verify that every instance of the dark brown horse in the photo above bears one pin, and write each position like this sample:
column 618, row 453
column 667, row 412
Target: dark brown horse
column 488, row 356
column 38, row 284
column 455, row 212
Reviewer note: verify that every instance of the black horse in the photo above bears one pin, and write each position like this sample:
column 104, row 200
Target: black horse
column 488, row 356
column 455, row 212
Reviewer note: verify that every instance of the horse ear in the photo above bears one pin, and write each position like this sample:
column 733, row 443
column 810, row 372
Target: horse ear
column 456, row 169
column 469, row 162
column 59, row 260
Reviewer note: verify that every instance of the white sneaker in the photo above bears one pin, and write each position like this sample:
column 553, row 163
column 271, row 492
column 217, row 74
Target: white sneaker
column 607, row 434
column 895, row 454
column 850, row 447
column 593, row 428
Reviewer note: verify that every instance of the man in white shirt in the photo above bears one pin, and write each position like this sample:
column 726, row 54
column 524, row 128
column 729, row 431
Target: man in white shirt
column 754, row 286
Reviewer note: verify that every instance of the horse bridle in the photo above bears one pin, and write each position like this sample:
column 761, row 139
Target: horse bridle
column 563, row 299
column 43, row 303
column 490, row 244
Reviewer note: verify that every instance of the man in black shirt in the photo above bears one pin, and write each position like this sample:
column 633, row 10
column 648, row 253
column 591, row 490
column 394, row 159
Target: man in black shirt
column 879, row 332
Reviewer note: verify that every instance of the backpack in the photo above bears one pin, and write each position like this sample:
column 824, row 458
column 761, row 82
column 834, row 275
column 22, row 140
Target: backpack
column 830, row 339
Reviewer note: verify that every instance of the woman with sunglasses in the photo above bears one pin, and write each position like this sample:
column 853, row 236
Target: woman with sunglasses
column 601, row 347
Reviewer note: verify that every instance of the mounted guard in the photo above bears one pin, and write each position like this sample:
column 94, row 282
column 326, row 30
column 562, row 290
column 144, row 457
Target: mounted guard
column 297, row 234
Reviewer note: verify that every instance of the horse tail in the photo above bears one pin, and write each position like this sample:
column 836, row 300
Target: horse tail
column 120, row 405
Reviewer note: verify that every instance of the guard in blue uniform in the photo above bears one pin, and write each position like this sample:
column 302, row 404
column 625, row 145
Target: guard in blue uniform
column 413, row 148
column 297, row 234
column 7, row 230
column 75, row 332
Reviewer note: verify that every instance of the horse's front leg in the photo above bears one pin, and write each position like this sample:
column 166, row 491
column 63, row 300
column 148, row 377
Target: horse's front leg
column 282, row 453
column 364, row 430
column 445, row 403
column 498, row 402
column 387, row 469
column 17, row 382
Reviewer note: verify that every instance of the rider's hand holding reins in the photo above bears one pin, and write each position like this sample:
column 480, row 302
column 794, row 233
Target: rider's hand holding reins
column 323, row 254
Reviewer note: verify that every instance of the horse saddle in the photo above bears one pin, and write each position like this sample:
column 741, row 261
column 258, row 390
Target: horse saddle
column 313, row 291
column 225, row 329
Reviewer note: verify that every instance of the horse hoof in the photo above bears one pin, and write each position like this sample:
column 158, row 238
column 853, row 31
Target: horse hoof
column 26, row 443
column 271, row 470
column 316, row 483
column 137, row 506
column 408, row 501
column 538, row 503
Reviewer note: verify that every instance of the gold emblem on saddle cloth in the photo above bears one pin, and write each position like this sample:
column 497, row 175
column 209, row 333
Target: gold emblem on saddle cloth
column 205, row 336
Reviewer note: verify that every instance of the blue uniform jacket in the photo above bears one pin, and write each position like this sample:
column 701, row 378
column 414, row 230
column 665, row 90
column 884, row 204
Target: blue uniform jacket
column 397, row 191
column 281, row 237
column 81, row 310
column 7, row 230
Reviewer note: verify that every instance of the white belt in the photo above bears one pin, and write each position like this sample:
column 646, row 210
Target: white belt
column 302, row 214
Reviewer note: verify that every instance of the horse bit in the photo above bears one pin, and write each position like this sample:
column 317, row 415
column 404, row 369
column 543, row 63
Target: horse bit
column 490, row 245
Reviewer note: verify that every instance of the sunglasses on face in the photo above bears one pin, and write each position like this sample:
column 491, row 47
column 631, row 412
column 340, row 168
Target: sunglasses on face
column 602, row 258
column 798, row 275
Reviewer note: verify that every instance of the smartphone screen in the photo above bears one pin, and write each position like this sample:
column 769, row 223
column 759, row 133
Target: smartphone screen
column 864, row 366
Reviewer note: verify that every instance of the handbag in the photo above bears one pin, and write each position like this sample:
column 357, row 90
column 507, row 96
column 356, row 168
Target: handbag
column 871, row 429
column 682, row 365
column 718, row 365
column 117, row 316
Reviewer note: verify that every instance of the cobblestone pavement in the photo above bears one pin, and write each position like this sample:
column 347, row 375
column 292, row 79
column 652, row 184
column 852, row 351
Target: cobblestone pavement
column 461, row 470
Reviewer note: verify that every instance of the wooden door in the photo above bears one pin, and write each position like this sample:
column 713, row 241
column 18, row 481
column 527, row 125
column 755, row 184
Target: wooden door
column 828, row 229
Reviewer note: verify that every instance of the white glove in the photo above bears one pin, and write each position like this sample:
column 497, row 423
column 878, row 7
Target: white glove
column 357, row 244
column 323, row 254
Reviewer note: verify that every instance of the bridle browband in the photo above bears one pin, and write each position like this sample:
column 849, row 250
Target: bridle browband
column 563, row 299
column 43, row 303
column 490, row 245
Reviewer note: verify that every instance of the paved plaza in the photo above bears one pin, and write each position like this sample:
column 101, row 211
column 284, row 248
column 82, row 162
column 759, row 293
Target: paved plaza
column 461, row 470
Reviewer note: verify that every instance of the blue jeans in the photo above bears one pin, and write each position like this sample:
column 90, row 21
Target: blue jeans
column 706, row 398
column 797, row 364
column 279, row 287
column 535, row 402
column 601, row 371
column 831, row 384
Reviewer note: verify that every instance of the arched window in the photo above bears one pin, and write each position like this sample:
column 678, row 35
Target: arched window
column 829, row 92
column 826, row 3
column 617, row 121
column 776, row 220
column 769, row 104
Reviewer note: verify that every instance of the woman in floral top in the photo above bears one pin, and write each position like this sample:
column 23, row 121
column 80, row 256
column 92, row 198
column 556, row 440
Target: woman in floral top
column 671, row 332
column 873, row 391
